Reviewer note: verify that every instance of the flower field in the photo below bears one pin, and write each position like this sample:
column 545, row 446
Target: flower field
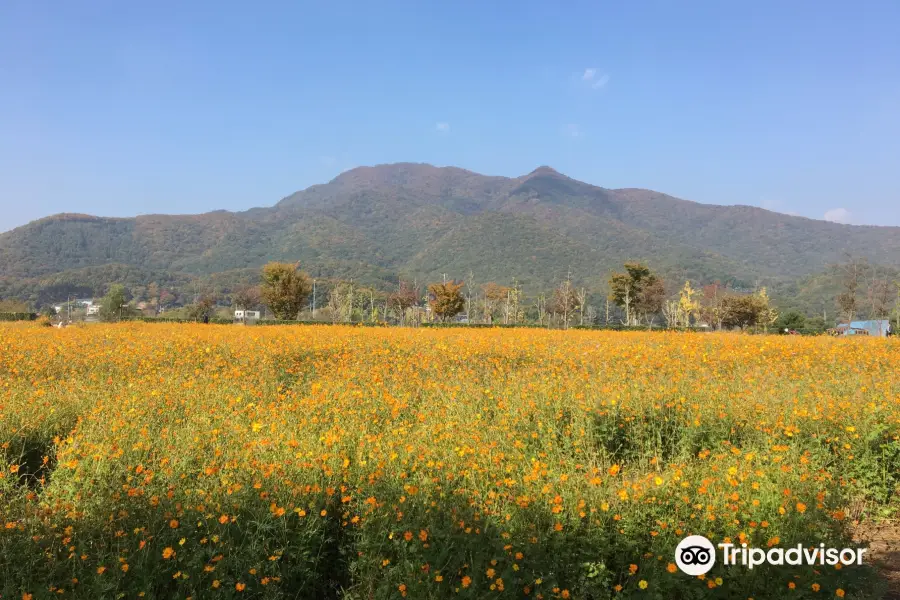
column 174, row 461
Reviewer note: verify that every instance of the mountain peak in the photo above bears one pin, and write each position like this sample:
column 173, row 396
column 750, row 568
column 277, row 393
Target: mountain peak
column 545, row 170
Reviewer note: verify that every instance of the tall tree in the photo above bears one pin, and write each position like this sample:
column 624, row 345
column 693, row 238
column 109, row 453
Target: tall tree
column 712, row 310
column 512, row 311
column 748, row 310
column 650, row 299
column 581, row 296
column 153, row 294
column 638, row 291
column 340, row 302
column 741, row 310
column 447, row 300
column 767, row 313
column 565, row 301
column 284, row 289
column 878, row 294
column 246, row 298
column 203, row 309
column 495, row 295
column 403, row 299
column 470, row 296
column 688, row 304
column 113, row 306
column 851, row 273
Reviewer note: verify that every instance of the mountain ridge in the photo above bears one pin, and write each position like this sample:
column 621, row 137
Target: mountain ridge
column 414, row 219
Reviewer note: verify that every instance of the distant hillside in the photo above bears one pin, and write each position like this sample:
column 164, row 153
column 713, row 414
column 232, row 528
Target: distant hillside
column 374, row 223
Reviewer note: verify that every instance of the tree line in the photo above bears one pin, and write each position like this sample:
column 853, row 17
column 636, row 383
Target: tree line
column 635, row 297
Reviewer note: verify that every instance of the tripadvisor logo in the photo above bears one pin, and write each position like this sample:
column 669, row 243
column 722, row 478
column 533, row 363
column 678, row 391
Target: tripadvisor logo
column 696, row 555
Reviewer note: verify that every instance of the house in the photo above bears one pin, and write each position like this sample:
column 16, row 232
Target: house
column 876, row 328
column 93, row 309
column 246, row 316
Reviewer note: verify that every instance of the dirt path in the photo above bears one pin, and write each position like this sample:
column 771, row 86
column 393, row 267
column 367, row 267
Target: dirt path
column 883, row 540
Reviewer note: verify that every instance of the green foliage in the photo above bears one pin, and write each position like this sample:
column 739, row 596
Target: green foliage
column 742, row 311
column 638, row 290
column 13, row 306
column 20, row 316
column 284, row 289
column 114, row 305
column 791, row 320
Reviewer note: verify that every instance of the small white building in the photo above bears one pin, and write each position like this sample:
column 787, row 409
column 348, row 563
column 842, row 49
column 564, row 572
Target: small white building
column 246, row 316
column 93, row 309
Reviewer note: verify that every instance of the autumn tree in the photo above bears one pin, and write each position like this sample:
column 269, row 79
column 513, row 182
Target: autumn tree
column 512, row 312
column 638, row 291
column 767, row 313
column 203, row 309
column 246, row 298
column 851, row 274
column 495, row 296
column 739, row 311
column 747, row 310
column 879, row 294
column 565, row 301
column 711, row 308
column 340, row 302
column 284, row 289
column 166, row 298
column 688, row 304
column 447, row 299
column 403, row 299
column 678, row 312
column 650, row 300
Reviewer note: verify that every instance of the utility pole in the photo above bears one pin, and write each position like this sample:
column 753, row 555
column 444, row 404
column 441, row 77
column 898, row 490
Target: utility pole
column 314, row 300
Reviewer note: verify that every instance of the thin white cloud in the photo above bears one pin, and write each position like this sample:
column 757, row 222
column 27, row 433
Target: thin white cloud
column 572, row 130
column 442, row 127
column 602, row 81
column 591, row 78
column 838, row 215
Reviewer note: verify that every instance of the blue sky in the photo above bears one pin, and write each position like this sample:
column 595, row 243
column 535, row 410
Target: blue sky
column 123, row 108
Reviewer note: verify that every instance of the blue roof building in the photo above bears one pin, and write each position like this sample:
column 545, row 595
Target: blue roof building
column 877, row 328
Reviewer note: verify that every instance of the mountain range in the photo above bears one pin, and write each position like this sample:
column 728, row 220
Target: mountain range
column 374, row 224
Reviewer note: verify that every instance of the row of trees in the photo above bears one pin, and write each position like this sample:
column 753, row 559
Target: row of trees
column 637, row 297
column 866, row 288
